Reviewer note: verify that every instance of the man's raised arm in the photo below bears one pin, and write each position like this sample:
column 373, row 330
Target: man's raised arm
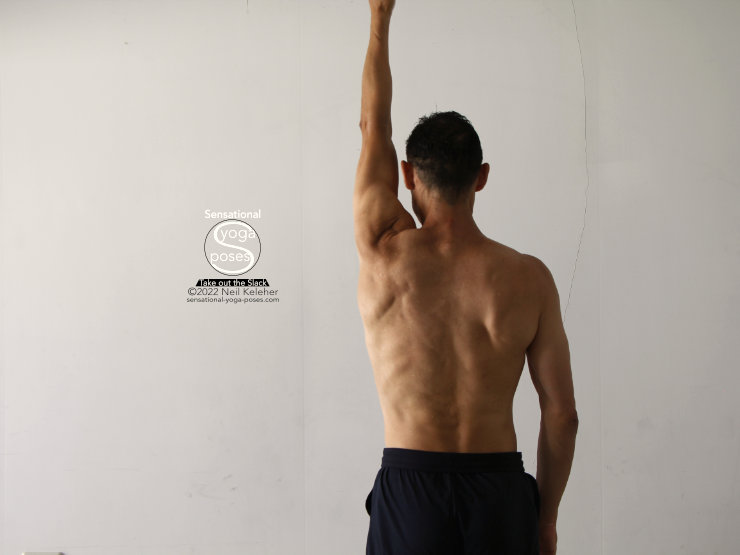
column 376, row 75
column 378, row 213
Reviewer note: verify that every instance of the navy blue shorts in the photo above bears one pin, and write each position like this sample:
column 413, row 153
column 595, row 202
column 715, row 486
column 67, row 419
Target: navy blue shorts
column 431, row 502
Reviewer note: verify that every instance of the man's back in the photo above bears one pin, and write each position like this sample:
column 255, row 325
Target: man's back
column 448, row 319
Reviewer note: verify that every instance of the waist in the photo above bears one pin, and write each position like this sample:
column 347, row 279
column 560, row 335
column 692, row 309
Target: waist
column 446, row 461
column 482, row 436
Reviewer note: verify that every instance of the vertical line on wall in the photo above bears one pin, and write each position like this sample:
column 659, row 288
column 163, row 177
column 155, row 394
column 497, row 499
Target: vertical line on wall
column 575, row 263
column 585, row 150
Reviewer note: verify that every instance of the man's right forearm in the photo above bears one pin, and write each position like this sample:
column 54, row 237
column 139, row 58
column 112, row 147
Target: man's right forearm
column 555, row 448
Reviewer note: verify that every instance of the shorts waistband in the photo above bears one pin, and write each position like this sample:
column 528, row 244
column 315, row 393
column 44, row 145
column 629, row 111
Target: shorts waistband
column 440, row 461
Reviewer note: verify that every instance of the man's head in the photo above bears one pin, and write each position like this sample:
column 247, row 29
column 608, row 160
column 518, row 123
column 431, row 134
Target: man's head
column 444, row 157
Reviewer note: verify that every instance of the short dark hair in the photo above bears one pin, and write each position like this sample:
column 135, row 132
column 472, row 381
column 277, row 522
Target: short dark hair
column 445, row 150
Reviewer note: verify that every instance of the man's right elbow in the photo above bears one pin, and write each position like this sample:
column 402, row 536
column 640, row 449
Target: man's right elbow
column 573, row 419
column 566, row 417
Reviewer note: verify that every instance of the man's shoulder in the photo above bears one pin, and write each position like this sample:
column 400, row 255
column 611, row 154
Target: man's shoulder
column 397, row 241
column 542, row 279
column 539, row 269
column 532, row 262
column 521, row 259
column 520, row 268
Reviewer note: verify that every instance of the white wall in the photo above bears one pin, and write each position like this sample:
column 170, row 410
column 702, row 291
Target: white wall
column 670, row 261
column 135, row 422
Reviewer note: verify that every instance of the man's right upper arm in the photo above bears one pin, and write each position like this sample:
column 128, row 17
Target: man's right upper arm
column 548, row 356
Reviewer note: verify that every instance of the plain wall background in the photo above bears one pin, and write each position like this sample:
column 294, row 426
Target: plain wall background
column 134, row 422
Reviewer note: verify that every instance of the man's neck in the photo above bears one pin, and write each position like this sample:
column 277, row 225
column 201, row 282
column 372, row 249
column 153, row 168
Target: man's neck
column 451, row 220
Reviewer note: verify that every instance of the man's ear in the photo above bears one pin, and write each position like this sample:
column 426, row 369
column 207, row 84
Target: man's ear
column 408, row 175
column 482, row 176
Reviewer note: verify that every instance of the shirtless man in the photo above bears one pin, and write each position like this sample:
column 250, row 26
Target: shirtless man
column 449, row 317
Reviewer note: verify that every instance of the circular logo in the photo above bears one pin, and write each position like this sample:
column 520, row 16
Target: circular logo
column 232, row 247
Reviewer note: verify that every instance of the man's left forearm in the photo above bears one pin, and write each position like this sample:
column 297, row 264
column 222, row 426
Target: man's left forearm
column 376, row 77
